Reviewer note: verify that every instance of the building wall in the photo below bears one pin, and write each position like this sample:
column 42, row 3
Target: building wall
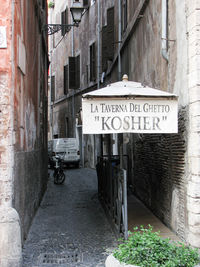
column 193, row 192
column 30, row 109
column 164, row 169
column 23, row 122
column 5, row 110
column 158, row 162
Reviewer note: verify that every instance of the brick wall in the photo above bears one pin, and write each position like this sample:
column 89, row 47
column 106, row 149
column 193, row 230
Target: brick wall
column 159, row 174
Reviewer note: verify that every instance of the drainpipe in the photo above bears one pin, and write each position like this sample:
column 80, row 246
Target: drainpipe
column 73, row 54
column 115, row 136
column 98, row 48
column 164, row 29
column 51, row 104
column 119, row 40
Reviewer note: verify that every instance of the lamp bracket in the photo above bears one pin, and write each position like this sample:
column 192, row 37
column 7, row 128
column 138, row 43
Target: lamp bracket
column 53, row 28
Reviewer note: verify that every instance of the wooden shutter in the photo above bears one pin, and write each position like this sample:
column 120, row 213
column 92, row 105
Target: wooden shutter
column 52, row 88
column 72, row 72
column 85, row 3
column 66, row 82
column 66, row 15
column 124, row 15
column 77, row 72
column 110, row 33
column 104, row 48
column 92, row 62
column 64, row 20
column 63, row 14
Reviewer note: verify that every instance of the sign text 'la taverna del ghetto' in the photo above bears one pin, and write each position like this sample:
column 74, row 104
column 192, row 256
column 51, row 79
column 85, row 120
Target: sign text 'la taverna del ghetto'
column 103, row 116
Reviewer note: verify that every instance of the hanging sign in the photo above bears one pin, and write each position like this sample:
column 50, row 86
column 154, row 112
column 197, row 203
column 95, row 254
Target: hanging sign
column 120, row 115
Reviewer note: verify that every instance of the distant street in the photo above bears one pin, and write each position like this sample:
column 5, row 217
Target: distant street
column 70, row 227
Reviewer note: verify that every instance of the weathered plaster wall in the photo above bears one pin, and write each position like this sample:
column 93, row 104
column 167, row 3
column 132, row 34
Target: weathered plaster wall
column 193, row 186
column 158, row 163
column 5, row 111
column 30, row 110
column 10, row 234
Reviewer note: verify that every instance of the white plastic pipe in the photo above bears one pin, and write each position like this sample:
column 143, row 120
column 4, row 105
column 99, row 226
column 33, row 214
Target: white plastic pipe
column 164, row 29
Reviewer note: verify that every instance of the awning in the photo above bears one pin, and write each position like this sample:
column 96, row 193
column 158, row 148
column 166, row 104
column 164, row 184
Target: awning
column 128, row 106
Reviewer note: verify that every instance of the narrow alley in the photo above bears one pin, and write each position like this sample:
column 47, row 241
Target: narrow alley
column 70, row 227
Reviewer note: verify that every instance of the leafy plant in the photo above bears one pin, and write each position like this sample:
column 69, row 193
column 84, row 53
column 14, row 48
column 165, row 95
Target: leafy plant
column 147, row 249
column 51, row 4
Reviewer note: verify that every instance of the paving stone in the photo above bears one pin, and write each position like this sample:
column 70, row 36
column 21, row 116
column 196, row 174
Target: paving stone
column 70, row 228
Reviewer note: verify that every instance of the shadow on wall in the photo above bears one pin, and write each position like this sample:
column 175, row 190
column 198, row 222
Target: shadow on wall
column 159, row 173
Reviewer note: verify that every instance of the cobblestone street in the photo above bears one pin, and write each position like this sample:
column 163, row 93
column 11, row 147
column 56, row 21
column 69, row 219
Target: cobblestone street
column 70, row 227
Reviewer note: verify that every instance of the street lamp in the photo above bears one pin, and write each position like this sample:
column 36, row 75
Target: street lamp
column 77, row 11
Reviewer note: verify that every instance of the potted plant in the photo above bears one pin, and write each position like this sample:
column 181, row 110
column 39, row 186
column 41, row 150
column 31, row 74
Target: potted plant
column 147, row 248
column 51, row 4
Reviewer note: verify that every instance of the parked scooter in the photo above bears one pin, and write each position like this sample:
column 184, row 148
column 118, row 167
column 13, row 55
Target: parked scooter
column 59, row 175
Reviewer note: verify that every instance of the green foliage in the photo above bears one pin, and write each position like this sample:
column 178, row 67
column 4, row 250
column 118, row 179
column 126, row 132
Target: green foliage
column 51, row 4
column 146, row 248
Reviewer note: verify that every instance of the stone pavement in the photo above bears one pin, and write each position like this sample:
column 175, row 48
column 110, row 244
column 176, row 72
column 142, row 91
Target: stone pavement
column 70, row 227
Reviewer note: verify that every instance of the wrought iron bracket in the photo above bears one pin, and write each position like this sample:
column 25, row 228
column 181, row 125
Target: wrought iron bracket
column 53, row 28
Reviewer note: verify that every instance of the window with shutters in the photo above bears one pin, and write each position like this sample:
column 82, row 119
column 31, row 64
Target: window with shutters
column 92, row 63
column 104, row 48
column 74, row 72
column 66, row 83
column 124, row 15
column 64, row 20
column 77, row 72
column 52, row 88
column 43, row 4
column 110, row 33
column 87, row 74
column 85, row 3
column 108, row 39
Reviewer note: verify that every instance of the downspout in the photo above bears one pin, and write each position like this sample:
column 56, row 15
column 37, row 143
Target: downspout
column 73, row 100
column 119, row 40
column 164, row 29
column 98, row 48
column 51, row 104
column 115, row 136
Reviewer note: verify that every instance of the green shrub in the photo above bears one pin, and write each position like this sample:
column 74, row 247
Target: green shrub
column 51, row 4
column 146, row 248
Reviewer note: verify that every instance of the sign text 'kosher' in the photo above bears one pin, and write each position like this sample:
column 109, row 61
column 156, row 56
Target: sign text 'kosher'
column 119, row 115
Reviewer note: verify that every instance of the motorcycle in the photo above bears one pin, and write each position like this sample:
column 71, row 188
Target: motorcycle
column 59, row 175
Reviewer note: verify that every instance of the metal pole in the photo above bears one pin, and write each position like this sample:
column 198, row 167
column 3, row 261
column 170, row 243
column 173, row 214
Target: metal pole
column 125, row 205
column 98, row 52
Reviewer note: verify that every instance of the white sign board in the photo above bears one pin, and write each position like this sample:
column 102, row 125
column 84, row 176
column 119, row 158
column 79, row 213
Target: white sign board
column 3, row 39
column 105, row 116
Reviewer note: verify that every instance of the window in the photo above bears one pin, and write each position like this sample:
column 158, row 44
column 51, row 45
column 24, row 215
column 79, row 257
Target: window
column 92, row 63
column 43, row 4
column 52, row 88
column 74, row 72
column 66, row 81
column 85, row 3
column 87, row 74
column 78, row 72
column 108, row 39
column 64, row 20
column 124, row 15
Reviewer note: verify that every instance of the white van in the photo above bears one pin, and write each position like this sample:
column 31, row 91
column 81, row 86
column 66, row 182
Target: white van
column 67, row 149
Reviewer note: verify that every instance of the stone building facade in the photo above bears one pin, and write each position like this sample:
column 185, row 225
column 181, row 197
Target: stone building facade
column 23, row 121
column 155, row 43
